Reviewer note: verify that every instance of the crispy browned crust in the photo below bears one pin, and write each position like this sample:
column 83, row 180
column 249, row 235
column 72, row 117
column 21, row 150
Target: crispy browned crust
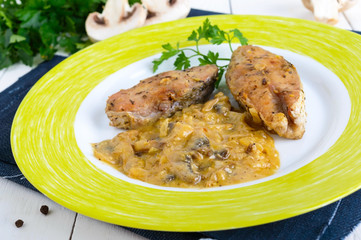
column 160, row 96
column 269, row 88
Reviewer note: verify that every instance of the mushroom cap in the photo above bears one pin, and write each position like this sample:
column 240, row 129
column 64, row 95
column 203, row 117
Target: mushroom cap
column 165, row 10
column 326, row 11
column 343, row 5
column 115, row 19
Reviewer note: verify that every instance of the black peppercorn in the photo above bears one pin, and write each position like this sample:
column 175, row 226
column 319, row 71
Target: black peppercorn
column 19, row 223
column 44, row 209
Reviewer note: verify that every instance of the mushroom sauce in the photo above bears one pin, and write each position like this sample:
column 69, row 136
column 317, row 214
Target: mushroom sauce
column 204, row 145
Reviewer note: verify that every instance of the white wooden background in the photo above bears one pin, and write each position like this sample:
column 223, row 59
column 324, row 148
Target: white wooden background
column 17, row 202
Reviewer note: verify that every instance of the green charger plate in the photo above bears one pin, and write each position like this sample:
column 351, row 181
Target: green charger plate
column 46, row 150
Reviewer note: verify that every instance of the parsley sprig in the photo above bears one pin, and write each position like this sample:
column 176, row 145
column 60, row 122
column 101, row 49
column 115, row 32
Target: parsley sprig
column 31, row 28
column 211, row 33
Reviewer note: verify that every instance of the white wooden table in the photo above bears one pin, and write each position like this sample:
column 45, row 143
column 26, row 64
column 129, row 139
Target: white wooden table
column 18, row 202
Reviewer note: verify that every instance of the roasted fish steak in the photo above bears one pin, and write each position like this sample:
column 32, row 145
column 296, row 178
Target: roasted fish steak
column 160, row 96
column 270, row 89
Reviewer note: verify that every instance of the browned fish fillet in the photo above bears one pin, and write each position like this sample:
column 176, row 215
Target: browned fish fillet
column 269, row 88
column 160, row 96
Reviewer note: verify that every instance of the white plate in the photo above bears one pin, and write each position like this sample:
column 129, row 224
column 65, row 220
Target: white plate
column 324, row 110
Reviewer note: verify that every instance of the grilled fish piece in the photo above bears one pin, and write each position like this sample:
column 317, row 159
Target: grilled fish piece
column 269, row 88
column 160, row 96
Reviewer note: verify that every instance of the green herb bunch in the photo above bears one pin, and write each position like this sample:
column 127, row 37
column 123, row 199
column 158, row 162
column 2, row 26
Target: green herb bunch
column 211, row 33
column 32, row 27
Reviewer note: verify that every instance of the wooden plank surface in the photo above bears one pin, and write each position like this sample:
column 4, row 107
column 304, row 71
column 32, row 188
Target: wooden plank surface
column 353, row 16
column 87, row 228
column 289, row 8
column 11, row 74
column 17, row 202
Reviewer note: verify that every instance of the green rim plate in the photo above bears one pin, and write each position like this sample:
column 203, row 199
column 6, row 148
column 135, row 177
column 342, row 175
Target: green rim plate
column 46, row 151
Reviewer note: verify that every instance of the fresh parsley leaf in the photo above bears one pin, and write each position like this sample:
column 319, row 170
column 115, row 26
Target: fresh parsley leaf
column 57, row 3
column 31, row 19
column 169, row 48
column 79, row 46
column 47, row 53
column 193, row 36
column 219, row 39
column 204, row 60
column 70, row 24
column 5, row 19
column 170, row 52
column 213, row 56
column 30, row 28
column 7, row 36
column 210, row 58
column 182, row 61
column 217, row 36
column 16, row 38
column 204, row 31
column 69, row 43
column 156, row 64
column 240, row 37
column 25, row 56
column 5, row 61
column 214, row 35
column 20, row 51
column 48, row 36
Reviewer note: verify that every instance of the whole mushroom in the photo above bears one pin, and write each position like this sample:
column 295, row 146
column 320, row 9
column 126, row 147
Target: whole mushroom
column 327, row 11
column 165, row 10
column 117, row 17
